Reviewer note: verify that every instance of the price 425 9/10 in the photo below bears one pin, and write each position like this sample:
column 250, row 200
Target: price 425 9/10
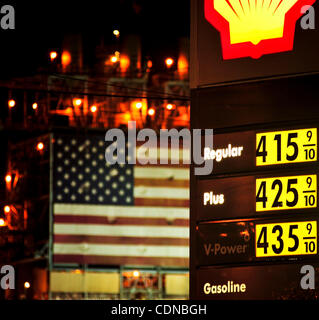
column 280, row 193
column 286, row 239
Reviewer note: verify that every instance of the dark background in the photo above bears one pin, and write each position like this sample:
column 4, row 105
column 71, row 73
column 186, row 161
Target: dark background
column 40, row 27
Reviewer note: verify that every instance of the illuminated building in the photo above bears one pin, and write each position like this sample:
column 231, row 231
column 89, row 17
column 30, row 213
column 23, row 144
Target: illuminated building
column 81, row 101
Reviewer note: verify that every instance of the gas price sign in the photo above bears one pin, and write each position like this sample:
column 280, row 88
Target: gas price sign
column 291, row 146
column 234, row 204
column 254, row 208
column 294, row 192
column 248, row 241
column 245, row 196
column 286, row 239
column 254, row 150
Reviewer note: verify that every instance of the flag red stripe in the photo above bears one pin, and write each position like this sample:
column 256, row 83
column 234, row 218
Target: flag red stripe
column 120, row 221
column 115, row 261
column 150, row 202
column 161, row 183
column 120, row 240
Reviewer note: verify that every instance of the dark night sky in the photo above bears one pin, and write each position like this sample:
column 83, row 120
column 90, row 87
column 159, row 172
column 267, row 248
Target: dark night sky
column 40, row 27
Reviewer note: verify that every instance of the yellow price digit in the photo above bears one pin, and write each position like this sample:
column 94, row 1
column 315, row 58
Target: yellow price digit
column 286, row 146
column 282, row 193
column 286, row 239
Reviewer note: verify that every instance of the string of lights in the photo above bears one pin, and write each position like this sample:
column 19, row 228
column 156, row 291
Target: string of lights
column 168, row 95
column 77, row 108
column 92, row 93
column 98, row 94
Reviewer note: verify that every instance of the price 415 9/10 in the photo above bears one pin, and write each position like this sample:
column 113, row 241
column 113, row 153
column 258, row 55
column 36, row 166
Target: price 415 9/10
column 286, row 146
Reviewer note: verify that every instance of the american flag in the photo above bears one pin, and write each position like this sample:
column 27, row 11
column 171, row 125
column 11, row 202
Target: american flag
column 117, row 214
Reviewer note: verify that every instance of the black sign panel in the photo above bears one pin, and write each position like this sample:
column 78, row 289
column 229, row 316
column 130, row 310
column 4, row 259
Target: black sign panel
column 225, row 198
column 259, row 204
column 258, row 150
column 231, row 152
column 258, row 282
column 261, row 240
column 238, row 197
column 221, row 243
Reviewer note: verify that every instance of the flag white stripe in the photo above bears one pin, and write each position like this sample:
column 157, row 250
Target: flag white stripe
column 121, row 231
column 169, row 213
column 161, row 173
column 122, row 250
column 178, row 155
column 161, row 193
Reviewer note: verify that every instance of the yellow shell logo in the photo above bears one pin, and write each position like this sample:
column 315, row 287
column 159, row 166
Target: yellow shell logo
column 254, row 27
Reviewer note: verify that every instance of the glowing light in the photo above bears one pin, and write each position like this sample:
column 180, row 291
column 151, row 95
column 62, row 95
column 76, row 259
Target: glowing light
column 127, row 117
column 11, row 103
column 8, row 178
column 169, row 106
column 7, row 209
column 53, row 55
column 169, row 62
column 66, row 58
column 124, row 63
column 136, row 273
column 40, row 146
column 139, row 105
column 35, row 106
column 149, row 64
column 77, row 102
column 224, row 235
column 77, row 271
column 151, row 112
column 2, row 222
column 116, row 33
column 244, row 233
column 114, row 59
column 93, row 109
column 27, row 285
column 182, row 64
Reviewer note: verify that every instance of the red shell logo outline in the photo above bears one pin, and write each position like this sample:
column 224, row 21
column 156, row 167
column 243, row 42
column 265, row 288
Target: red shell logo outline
column 240, row 49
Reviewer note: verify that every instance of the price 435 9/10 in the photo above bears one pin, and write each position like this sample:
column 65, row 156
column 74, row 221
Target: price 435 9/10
column 286, row 239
